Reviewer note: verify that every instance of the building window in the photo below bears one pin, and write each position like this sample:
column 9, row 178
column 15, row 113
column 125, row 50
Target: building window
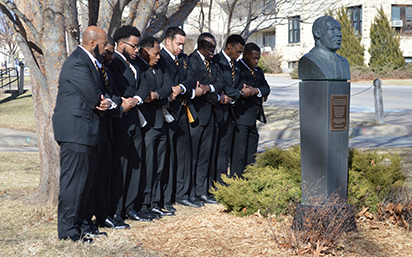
column 401, row 19
column 355, row 14
column 269, row 38
column 294, row 29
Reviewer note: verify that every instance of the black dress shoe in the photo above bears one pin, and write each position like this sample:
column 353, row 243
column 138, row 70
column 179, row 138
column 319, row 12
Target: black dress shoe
column 162, row 212
column 169, row 207
column 140, row 216
column 207, row 199
column 76, row 238
column 188, row 203
column 196, row 201
column 93, row 233
column 119, row 223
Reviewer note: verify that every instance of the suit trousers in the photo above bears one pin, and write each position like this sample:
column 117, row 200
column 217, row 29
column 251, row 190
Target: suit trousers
column 177, row 179
column 102, row 189
column 202, row 145
column 127, row 170
column 244, row 148
column 155, row 152
column 224, row 148
column 78, row 165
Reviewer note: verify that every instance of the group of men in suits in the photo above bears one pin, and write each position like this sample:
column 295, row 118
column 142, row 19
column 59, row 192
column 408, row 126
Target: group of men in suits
column 142, row 127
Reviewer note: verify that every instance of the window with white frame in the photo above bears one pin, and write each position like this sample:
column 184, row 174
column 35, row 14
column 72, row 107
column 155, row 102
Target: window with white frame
column 294, row 29
column 355, row 14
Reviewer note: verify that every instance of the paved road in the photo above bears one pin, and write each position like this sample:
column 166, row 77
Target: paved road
column 285, row 94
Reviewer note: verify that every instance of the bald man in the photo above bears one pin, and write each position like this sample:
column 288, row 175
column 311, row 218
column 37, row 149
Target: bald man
column 80, row 104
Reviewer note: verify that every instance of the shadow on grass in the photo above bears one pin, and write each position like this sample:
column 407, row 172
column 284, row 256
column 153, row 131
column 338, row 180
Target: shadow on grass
column 15, row 96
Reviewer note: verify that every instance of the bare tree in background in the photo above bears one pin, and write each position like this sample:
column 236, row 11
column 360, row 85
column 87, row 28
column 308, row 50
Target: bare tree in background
column 250, row 16
column 8, row 43
column 48, row 31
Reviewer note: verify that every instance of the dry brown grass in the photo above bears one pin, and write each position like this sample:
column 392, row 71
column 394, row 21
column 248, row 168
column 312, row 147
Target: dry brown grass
column 28, row 229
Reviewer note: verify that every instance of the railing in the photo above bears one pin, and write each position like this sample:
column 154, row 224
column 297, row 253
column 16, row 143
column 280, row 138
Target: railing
column 8, row 76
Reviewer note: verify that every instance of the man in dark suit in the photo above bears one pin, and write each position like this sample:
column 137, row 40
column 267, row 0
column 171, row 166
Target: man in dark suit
column 202, row 130
column 127, row 136
column 79, row 106
column 154, row 133
column 102, row 185
column 248, row 109
column 177, row 180
column 230, row 72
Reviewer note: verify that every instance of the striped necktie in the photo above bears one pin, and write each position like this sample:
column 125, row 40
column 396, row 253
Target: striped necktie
column 253, row 73
column 106, row 81
column 232, row 67
column 131, row 67
column 176, row 62
column 208, row 67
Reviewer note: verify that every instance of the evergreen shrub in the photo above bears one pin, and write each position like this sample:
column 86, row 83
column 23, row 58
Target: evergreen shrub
column 273, row 182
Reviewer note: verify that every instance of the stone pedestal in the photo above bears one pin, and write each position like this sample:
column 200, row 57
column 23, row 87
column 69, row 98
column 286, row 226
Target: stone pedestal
column 324, row 132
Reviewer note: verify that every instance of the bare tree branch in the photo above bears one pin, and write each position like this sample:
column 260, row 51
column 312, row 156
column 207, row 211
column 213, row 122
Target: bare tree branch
column 13, row 8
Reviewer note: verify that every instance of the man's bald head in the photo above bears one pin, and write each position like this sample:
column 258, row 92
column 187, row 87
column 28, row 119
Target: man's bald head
column 95, row 41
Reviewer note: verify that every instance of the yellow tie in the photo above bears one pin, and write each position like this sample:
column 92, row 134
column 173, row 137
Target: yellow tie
column 208, row 67
column 106, row 81
column 232, row 66
column 176, row 61
column 253, row 73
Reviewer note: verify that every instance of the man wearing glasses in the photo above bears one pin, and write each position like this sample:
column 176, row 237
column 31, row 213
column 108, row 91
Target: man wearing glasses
column 127, row 135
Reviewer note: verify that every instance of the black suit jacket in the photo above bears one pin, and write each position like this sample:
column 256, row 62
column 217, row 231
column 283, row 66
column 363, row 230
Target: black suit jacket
column 159, row 82
column 248, row 109
column 230, row 86
column 75, row 118
column 204, row 104
column 128, row 86
column 181, row 74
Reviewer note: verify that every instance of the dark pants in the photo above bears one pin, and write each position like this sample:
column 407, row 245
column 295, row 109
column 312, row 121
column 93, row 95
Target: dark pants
column 155, row 152
column 78, row 167
column 202, row 144
column 102, row 187
column 177, row 179
column 127, row 170
column 224, row 148
column 244, row 148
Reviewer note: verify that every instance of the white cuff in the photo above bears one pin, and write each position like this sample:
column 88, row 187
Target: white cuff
column 212, row 88
column 139, row 100
column 259, row 94
column 193, row 94
column 184, row 89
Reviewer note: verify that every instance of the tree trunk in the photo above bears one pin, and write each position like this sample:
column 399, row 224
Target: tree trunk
column 47, row 32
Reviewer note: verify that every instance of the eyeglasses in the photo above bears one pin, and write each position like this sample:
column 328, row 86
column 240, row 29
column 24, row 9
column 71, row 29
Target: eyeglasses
column 134, row 46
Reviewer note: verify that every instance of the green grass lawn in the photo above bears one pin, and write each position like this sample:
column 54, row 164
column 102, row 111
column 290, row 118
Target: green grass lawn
column 16, row 112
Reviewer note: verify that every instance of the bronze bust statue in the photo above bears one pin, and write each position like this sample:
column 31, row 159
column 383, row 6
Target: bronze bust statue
column 322, row 62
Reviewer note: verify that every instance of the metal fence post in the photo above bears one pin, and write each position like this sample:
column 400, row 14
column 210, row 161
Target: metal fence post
column 377, row 93
column 21, row 82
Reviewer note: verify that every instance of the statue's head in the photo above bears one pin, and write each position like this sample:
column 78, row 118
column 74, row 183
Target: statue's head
column 327, row 33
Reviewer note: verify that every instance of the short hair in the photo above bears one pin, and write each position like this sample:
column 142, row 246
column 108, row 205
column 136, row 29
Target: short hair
column 203, row 36
column 249, row 47
column 172, row 31
column 147, row 42
column 124, row 32
column 110, row 40
column 235, row 39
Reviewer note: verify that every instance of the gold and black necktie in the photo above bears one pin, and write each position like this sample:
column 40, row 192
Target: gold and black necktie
column 130, row 66
column 208, row 67
column 253, row 73
column 232, row 67
column 176, row 62
column 106, row 81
